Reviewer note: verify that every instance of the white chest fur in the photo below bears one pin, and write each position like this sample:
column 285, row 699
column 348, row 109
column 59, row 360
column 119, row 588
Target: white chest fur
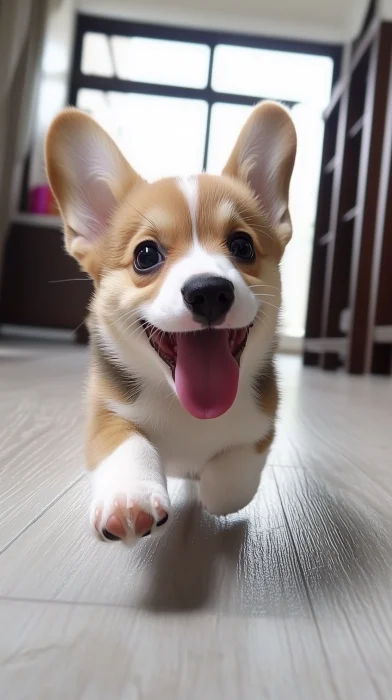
column 185, row 443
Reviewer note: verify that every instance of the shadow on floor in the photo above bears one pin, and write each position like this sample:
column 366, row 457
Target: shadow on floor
column 303, row 548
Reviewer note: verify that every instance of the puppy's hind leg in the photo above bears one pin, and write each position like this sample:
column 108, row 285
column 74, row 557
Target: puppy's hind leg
column 230, row 480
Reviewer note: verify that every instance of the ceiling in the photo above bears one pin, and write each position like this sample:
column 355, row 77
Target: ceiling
column 332, row 21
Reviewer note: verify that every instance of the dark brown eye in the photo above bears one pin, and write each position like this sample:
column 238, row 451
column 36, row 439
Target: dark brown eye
column 147, row 256
column 241, row 246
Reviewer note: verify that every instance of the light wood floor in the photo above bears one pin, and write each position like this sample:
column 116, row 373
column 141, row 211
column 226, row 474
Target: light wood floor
column 290, row 600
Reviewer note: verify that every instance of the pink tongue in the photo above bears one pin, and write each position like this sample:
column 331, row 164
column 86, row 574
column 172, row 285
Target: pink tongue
column 206, row 373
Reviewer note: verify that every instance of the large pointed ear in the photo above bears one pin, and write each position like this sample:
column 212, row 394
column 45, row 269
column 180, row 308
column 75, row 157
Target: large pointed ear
column 263, row 157
column 89, row 177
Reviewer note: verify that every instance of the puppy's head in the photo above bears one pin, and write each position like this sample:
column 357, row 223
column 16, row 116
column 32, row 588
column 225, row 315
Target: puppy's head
column 186, row 270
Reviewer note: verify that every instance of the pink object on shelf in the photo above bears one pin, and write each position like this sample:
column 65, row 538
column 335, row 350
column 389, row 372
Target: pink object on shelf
column 40, row 201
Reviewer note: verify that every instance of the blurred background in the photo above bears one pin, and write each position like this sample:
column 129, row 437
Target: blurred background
column 173, row 82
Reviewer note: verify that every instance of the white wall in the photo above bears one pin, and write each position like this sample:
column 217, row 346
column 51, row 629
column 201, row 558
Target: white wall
column 314, row 20
column 386, row 10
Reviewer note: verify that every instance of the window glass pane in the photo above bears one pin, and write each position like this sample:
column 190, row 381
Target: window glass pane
column 226, row 123
column 160, row 136
column 309, row 126
column 296, row 261
column 96, row 58
column 274, row 74
column 161, row 62
column 94, row 102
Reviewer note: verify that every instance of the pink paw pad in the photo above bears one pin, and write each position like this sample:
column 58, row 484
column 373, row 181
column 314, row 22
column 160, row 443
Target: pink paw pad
column 130, row 518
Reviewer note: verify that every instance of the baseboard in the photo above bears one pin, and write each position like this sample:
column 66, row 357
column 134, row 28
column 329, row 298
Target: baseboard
column 10, row 331
column 291, row 344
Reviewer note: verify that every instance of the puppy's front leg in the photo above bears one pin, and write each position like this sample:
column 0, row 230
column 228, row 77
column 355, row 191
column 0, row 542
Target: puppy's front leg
column 129, row 493
column 230, row 480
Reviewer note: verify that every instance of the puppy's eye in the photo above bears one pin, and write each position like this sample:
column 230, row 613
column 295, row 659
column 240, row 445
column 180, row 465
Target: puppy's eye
column 241, row 246
column 147, row 256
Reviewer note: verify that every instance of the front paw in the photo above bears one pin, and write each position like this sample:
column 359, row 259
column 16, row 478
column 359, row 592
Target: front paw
column 127, row 511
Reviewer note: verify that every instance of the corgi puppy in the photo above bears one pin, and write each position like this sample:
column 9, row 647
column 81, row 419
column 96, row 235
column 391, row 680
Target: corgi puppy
column 183, row 319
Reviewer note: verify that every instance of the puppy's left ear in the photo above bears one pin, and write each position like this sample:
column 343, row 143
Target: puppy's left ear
column 89, row 178
column 263, row 157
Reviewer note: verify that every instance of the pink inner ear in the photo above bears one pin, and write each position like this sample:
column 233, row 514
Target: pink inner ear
column 91, row 208
column 258, row 180
column 94, row 165
column 263, row 177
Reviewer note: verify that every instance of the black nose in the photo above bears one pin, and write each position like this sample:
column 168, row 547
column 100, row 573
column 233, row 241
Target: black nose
column 208, row 297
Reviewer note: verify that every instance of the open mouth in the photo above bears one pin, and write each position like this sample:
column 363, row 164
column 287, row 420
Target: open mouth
column 204, row 365
column 166, row 344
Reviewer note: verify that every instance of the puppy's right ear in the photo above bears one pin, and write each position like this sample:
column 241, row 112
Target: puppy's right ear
column 263, row 157
column 89, row 177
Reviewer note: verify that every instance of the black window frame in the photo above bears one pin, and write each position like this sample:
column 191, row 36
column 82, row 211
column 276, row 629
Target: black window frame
column 118, row 27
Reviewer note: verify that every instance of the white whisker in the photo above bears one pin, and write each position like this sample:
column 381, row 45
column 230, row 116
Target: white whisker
column 128, row 328
column 261, row 294
column 254, row 286
column 127, row 315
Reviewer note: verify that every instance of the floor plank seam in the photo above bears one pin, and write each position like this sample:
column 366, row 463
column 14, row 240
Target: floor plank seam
column 110, row 606
column 41, row 513
column 308, row 596
column 363, row 657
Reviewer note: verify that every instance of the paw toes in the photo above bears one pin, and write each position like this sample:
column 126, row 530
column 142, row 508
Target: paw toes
column 143, row 523
column 116, row 518
column 109, row 536
column 160, row 511
column 163, row 520
column 114, row 528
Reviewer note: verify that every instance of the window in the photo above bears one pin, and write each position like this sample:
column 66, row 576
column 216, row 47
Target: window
column 170, row 145
column 227, row 121
column 175, row 100
column 278, row 75
column 160, row 61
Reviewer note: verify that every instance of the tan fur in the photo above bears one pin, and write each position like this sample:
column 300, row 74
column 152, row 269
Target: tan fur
column 262, row 446
column 168, row 223
column 266, row 390
column 114, row 381
column 108, row 210
column 159, row 211
column 246, row 215
column 104, row 430
column 72, row 125
column 242, row 160
column 167, row 220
